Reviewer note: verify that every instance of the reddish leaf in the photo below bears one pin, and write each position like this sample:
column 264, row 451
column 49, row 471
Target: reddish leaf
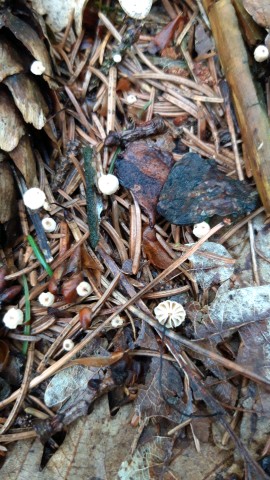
column 69, row 287
column 154, row 252
column 163, row 38
column 144, row 171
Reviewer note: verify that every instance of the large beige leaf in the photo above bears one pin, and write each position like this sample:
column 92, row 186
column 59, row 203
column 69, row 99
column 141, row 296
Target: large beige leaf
column 7, row 192
column 9, row 59
column 28, row 98
column 11, row 122
column 58, row 12
column 24, row 160
column 28, row 37
column 95, row 447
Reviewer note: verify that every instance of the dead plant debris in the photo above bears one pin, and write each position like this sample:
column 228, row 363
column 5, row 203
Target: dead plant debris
column 165, row 99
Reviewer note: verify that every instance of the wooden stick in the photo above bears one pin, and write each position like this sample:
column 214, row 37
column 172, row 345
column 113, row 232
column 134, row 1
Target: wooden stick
column 251, row 114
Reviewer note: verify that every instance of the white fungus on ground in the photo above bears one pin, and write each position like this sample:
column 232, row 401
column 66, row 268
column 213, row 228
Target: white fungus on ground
column 48, row 224
column 83, row 289
column 261, row 53
column 37, row 68
column 34, row 198
column 68, row 344
column 170, row 313
column 13, row 317
column 117, row 322
column 131, row 99
column 117, row 58
column 108, row 184
column 46, row 299
column 201, row 229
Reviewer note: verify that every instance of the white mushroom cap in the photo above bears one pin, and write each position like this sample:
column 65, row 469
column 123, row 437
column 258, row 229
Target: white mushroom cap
column 48, row 224
column 108, row 184
column 170, row 313
column 68, row 344
column 13, row 317
column 34, row 198
column 261, row 53
column 201, row 229
column 137, row 9
column 117, row 322
column 117, row 58
column 46, row 299
column 131, row 99
column 83, row 289
column 37, row 68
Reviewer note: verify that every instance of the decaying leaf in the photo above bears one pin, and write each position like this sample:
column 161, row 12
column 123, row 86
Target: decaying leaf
column 144, row 170
column 150, row 401
column 203, row 40
column 239, row 246
column 233, row 309
column 196, row 190
column 89, row 450
column 163, row 38
column 153, row 251
column 260, row 11
column 67, row 383
column 58, row 13
column 210, row 270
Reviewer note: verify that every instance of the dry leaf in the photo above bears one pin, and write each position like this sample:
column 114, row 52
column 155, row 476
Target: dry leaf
column 163, row 38
column 150, row 401
column 153, row 251
column 58, row 13
column 144, row 171
column 210, row 271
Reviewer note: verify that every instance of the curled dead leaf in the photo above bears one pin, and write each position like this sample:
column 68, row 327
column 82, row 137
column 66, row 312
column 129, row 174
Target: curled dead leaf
column 144, row 170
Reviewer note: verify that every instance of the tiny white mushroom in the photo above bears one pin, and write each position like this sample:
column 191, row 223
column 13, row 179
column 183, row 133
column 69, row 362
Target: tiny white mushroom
column 117, row 58
column 47, row 206
column 34, row 198
column 37, row 68
column 261, row 53
column 83, row 289
column 201, row 229
column 13, row 317
column 117, row 322
column 48, row 224
column 137, row 9
column 68, row 344
column 46, row 299
column 131, row 99
column 170, row 313
column 108, row 184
